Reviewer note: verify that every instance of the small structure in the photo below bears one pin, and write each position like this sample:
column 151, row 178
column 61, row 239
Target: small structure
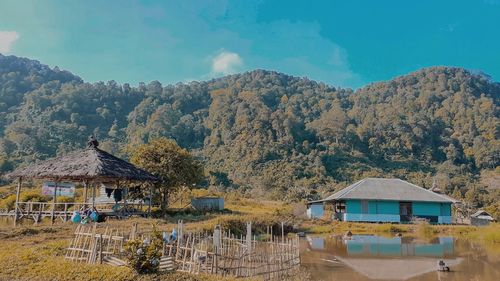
column 90, row 166
column 208, row 203
column 315, row 210
column 389, row 200
column 481, row 218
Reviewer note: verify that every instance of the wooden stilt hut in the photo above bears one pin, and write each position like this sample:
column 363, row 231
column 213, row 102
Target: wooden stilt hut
column 90, row 166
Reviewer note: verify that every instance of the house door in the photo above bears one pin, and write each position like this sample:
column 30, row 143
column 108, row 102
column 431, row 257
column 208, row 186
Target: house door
column 405, row 211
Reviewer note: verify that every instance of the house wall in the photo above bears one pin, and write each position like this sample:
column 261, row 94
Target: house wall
column 315, row 211
column 377, row 211
column 433, row 209
column 479, row 222
column 208, row 204
column 388, row 211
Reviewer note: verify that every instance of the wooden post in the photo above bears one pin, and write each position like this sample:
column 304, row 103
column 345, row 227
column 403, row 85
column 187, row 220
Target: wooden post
column 52, row 216
column 249, row 237
column 282, row 233
column 125, row 198
column 150, row 199
column 100, row 249
column 85, row 193
column 18, row 192
column 217, row 239
column 93, row 194
column 134, row 231
column 65, row 212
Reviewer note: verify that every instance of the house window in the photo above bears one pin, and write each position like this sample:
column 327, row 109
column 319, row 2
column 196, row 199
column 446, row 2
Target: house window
column 340, row 207
column 364, row 206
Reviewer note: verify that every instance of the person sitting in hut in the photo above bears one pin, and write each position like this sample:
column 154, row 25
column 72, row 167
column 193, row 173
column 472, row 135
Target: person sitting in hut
column 85, row 211
column 118, row 196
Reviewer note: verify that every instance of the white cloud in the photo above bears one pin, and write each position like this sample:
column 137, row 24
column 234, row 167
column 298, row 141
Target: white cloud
column 6, row 40
column 226, row 63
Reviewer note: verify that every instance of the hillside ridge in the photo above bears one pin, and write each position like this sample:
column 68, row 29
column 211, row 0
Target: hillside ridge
column 266, row 131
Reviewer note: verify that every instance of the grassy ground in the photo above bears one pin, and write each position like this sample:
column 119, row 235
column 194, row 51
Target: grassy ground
column 36, row 252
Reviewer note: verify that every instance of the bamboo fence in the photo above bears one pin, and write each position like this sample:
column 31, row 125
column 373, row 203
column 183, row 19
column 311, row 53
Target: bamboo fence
column 220, row 253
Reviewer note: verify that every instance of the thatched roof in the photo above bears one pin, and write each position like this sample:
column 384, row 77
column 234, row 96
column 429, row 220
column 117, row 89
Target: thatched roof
column 90, row 164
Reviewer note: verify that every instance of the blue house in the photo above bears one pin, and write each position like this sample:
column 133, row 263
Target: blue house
column 386, row 200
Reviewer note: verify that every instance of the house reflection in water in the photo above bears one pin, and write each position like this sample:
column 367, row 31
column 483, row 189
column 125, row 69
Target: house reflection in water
column 376, row 246
column 316, row 243
column 376, row 257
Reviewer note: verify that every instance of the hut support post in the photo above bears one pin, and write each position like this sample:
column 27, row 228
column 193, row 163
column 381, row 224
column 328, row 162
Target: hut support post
column 93, row 195
column 125, row 197
column 150, row 199
column 116, row 189
column 18, row 192
column 52, row 216
column 85, row 192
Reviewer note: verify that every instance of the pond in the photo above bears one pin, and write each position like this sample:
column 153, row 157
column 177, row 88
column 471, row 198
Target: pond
column 372, row 257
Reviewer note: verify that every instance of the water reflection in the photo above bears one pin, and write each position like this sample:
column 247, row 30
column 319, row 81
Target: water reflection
column 368, row 257
column 370, row 245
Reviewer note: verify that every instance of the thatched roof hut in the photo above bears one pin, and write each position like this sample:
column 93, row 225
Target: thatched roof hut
column 90, row 164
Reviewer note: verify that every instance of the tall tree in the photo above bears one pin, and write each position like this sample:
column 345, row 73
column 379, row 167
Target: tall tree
column 175, row 166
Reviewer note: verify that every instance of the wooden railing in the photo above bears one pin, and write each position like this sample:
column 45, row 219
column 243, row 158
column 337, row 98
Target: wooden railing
column 39, row 210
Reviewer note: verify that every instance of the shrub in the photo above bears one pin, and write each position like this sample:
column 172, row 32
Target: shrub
column 390, row 228
column 33, row 196
column 424, row 229
column 64, row 199
column 144, row 256
column 8, row 202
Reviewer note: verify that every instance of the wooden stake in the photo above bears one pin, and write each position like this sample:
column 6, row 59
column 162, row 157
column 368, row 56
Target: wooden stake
column 93, row 194
column 52, row 216
column 85, row 193
column 18, row 191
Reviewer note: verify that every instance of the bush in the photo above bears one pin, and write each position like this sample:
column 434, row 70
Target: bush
column 8, row 202
column 142, row 256
column 390, row 228
column 64, row 199
column 33, row 196
column 424, row 229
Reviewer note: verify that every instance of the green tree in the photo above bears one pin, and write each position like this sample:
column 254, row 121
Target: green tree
column 332, row 124
column 174, row 166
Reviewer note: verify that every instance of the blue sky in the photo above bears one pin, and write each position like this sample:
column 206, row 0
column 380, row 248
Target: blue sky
column 343, row 43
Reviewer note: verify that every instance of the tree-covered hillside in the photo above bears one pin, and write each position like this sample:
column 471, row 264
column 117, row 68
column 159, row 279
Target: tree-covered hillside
column 267, row 132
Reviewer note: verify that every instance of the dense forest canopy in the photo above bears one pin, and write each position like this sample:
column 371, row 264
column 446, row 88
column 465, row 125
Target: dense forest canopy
column 267, row 132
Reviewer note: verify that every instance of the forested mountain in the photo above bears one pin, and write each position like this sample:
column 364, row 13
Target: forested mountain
column 268, row 132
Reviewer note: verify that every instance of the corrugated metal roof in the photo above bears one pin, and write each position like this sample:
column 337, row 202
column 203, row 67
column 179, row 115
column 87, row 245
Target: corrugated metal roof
column 388, row 189
column 480, row 213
